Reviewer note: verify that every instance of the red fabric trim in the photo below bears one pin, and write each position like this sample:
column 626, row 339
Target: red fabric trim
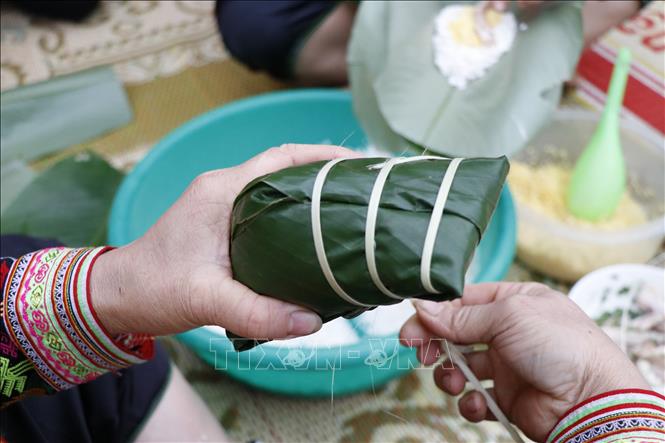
column 610, row 409
column 147, row 350
column 141, row 345
column 51, row 300
column 90, row 333
column 4, row 272
column 642, row 100
column 65, row 284
column 597, row 397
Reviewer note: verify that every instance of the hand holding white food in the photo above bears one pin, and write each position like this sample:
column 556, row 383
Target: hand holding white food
column 598, row 16
column 545, row 355
column 530, row 6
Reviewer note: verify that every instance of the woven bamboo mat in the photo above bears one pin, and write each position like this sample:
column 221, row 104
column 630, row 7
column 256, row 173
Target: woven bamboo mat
column 162, row 104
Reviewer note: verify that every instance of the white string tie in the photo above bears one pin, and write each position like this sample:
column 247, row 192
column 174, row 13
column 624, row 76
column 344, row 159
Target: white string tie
column 370, row 226
column 372, row 213
column 434, row 223
column 318, row 235
column 457, row 358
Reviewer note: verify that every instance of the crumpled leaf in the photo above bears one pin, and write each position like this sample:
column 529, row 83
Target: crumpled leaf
column 405, row 103
column 272, row 249
column 66, row 110
column 69, row 202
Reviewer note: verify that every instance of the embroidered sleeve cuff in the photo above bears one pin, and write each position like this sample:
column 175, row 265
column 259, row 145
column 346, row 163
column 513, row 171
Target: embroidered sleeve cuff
column 615, row 416
column 48, row 314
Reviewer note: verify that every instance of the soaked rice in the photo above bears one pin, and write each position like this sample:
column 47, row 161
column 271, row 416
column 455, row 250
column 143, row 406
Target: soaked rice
column 458, row 52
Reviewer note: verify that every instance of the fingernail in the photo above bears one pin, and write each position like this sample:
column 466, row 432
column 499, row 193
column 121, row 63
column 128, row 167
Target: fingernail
column 303, row 323
column 475, row 404
column 429, row 307
column 445, row 379
column 468, row 402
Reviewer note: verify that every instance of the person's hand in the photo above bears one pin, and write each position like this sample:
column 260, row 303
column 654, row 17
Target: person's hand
column 526, row 7
column 545, row 355
column 598, row 16
column 178, row 275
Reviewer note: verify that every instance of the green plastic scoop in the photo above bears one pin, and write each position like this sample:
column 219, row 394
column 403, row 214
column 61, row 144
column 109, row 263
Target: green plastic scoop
column 599, row 177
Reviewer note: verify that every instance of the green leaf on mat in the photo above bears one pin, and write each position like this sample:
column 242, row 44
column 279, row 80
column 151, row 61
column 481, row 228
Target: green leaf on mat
column 69, row 202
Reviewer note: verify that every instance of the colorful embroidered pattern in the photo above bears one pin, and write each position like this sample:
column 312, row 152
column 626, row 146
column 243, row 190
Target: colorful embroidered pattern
column 47, row 312
column 625, row 415
column 13, row 378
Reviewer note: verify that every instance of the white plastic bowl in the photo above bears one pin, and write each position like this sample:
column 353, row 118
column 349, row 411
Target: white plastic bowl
column 604, row 291
column 566, row 252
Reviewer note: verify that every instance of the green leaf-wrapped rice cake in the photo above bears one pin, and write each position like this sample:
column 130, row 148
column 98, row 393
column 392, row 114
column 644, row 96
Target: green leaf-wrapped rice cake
column 344, row 236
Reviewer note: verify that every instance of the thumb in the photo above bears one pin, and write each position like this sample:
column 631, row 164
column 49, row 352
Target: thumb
column 463, row 324
column 251, row 315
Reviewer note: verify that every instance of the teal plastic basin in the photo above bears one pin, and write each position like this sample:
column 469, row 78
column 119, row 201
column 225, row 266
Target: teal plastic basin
column 232, row 134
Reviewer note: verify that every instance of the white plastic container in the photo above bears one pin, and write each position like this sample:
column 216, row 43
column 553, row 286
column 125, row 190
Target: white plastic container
column 567, row 252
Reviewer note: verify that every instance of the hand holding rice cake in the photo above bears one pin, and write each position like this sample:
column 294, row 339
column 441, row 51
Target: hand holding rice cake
column 351, row 234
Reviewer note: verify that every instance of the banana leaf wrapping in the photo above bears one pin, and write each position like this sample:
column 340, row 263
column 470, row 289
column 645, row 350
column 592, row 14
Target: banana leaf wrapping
column 274, row 248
